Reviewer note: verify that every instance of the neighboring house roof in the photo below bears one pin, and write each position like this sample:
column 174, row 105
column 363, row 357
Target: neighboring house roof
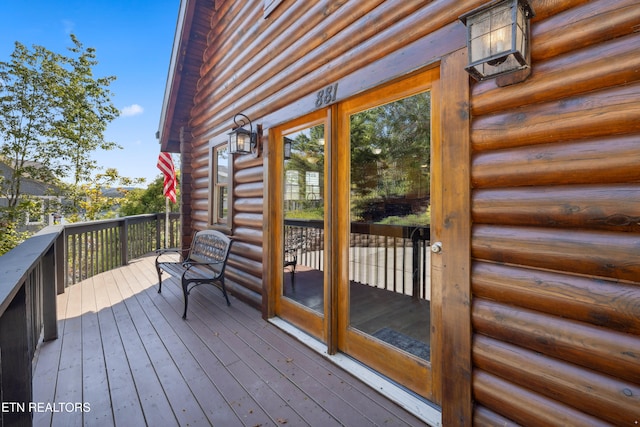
column 190, row 41
column 29, row 186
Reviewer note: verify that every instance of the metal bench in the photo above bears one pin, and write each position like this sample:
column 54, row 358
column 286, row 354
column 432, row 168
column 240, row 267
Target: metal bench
column 205, row 263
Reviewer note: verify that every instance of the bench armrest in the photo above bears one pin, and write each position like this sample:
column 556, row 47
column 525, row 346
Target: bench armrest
column 168, row 250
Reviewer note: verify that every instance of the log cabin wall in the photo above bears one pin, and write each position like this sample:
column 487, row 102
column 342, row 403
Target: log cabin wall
column 556, row 235
column 554, row 176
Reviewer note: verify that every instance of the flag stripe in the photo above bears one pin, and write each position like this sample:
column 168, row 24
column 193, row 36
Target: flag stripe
column 165, row 164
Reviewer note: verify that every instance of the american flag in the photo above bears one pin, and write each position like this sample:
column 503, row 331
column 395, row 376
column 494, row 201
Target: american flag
column 165, row 164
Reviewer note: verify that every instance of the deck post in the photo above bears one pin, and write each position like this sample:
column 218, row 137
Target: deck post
column 124, row 245
column 16, row 363
column 49, row 292
column 158, row 233
column 60, row 262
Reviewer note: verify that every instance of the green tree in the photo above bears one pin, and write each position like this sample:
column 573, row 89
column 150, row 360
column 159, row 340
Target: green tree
column 383, row 137
column 85, row 110
column 307, row 156
column 390, row 160
column 53, row 115
column 95, row 204
column 27, row 83
column 150, row 200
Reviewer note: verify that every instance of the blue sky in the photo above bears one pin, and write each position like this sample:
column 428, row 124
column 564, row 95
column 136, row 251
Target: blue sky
column 133, row 41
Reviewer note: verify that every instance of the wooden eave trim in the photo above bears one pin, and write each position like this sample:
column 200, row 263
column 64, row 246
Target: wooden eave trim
column 173, row 86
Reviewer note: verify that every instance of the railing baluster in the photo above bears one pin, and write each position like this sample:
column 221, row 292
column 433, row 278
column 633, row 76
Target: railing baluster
column 74, row 262
column 85, row 258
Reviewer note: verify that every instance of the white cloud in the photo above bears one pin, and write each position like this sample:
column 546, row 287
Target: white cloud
column 132, row 110
column 68, row 26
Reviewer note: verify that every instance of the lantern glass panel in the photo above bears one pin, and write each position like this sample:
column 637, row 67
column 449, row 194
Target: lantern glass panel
column 481, row 47
column 233, row 142
column 479, row 25
column 244, row 143
column 501, row 30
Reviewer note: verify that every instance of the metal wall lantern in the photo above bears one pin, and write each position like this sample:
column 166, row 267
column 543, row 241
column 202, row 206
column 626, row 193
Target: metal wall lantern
column 241, row 140
column 287, row 143
column 498, row 39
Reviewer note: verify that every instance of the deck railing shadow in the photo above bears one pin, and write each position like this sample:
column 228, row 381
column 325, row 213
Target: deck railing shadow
column 37, row 270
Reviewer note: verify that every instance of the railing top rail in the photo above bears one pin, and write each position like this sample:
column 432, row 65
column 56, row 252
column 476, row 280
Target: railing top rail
column 389, row 230
column 310, row 223
column 16, row 264
column 82, row 227
column 92, row 224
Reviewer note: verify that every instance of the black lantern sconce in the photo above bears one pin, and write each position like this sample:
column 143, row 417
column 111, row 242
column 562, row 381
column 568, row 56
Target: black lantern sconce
column 241, row 140
column 498, row 40
column 287, row 142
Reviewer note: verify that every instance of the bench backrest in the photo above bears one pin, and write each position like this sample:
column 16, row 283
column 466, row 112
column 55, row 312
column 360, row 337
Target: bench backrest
column 210, row 246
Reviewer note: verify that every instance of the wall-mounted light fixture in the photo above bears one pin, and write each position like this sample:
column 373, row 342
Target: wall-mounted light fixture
column 241, row 140
column 498, row 39
column 287, row 147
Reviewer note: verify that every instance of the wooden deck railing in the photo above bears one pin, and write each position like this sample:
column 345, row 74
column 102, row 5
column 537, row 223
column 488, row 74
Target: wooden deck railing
column 27, row 313
column 97, row 246
column 33, row 273
column 393, row 257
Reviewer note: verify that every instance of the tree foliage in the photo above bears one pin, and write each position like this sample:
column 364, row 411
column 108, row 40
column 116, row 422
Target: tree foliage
column 390, row 145
column 53, row 115
column 85, row 110
column 307, row 156
column 95, row 204
column 149, row 200
column 27, row 85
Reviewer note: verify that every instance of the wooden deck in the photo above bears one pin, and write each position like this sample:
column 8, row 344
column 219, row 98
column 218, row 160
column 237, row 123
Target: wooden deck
column 126, row 354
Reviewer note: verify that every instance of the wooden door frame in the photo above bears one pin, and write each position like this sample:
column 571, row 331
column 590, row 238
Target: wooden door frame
column 408, row 369
column 455, row 322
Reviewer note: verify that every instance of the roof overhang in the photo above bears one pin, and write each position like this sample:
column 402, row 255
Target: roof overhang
column 186, row 60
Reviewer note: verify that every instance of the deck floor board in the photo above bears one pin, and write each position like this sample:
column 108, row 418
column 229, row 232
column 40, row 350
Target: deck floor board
column 125, row 350
column 95, row 381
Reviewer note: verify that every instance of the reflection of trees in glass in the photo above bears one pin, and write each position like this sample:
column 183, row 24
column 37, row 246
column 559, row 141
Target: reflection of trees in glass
column 390, row 158
column 306, row 161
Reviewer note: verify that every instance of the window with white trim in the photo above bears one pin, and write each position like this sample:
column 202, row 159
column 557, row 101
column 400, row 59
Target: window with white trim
column 221, row 202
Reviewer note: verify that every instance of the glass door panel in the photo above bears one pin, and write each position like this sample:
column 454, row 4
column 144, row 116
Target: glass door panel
column 297, row 223
column 303, row 240
column 390, row 214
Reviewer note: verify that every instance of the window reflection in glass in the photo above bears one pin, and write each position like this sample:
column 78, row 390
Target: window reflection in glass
column 389, row 260
column 304, row 218
column 221, row 184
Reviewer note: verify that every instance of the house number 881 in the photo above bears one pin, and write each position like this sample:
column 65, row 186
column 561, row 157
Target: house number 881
column 327, row 95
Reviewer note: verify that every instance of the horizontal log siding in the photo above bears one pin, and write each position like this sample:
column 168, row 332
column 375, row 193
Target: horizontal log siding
column 556, row 237
column 278, row 66
column 258, row 66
